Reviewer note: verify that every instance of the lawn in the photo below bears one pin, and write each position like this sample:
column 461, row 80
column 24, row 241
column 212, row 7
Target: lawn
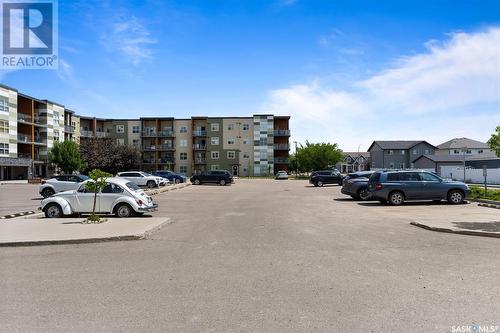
column 477, row 192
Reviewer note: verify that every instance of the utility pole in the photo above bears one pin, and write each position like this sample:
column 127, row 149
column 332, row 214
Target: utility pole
column 463, row 153
column 296, row 161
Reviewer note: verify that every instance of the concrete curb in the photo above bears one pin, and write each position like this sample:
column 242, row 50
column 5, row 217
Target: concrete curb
column 486, row 203
column 456, row 231
column 167, row 189
column 11, row 216
column 140, row 236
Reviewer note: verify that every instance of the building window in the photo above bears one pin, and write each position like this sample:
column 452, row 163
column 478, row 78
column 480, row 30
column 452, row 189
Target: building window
column 402, row 166
column 183, row 169
column 391, row 152
column 391, row 165
column 245, row 142
column 120, row 141
column 214, row 127
column 246, row 127
column 4, row 126
column 183, row 156
column 4, row 149
column 4, row 105
column 215, row 155
column 135, row 142
column 183, row 129
column 214, row 140
column 56, row 116
column 231, row 155
column 415, row 151
column 73, row 125
column 231, row 141
column 456, row 152
column 214, row 167
column 183, row 143
column 230, row 127
column 480, row 151
column 56, row 135
column 402, row 152
column 120, row 128
column 246, row 155
column 136, row 129
column 427, row 152
column 468, row 151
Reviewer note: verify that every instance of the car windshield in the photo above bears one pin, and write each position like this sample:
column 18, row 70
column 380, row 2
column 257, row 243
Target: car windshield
column 147, row 174
column 132, row 186
column 83, row 177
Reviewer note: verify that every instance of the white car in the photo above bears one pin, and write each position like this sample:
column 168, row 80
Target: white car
column 60, row 183
column 120, row 197
column 281, row 175
column 141, row 178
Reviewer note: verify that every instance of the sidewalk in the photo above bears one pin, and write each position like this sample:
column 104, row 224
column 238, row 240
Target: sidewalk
column 487, row 227
column 43, row 231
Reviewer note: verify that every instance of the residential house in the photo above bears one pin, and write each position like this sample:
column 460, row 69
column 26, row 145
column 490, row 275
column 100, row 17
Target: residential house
column 469, row 147
column 398, row 154
column 354, row 161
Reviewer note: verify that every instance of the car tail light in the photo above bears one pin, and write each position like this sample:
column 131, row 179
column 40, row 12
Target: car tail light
column 139, row 202
column 378, row 186
column 43, row 181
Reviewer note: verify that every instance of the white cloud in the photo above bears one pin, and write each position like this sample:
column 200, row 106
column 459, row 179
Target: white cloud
column 451, row 90
column 65, row 71
column 130, row 37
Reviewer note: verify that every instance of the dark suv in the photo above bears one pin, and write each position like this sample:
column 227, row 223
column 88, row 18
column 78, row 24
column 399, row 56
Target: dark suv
column 322, row 177
column 356, row 185
column 396, row 187
column 221, row 177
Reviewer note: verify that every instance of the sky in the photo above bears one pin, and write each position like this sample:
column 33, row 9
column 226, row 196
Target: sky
column 346, row 71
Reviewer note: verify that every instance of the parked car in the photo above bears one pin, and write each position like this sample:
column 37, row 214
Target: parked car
column 356, row 185
column 162, row 181
column 120, row 197
column 281, row 175
column 60, row 183
column 396, row 187
column 141, row 178
column 171, row 176
column 221, row 177
column 322, row 177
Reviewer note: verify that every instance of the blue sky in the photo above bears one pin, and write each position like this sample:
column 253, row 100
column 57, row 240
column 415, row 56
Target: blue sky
column 346, row 71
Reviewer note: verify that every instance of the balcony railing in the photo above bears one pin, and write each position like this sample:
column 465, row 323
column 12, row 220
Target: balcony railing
column 166, row 160
column 23, row 138
column 69, row 129
column 149, row 134
column 166, row 148
column 101, row 134
column 281, row 132
column 24, row 118
column 167, row 133
column 86, row 134
column 281, row 160
column 199, row 147
column 149, row 148
column 23, row 155
column 41, row 120
column 200, row 161
column 199, row 133
column 282, row 146
column 40, row 140
column 150, row 161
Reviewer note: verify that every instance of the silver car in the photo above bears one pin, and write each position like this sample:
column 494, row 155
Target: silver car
column 120, row 197
column 141, row 178
column 281, row 175
column 60, row 183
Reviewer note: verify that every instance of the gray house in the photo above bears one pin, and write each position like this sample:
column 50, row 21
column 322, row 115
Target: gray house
column 398, row 154
column 436, row 162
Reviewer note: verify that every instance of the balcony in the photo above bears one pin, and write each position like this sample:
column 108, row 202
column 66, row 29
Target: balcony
column 167, row 133
column 40, row 121
column 281, row 132
column 166, row 148
column 167, row 160
column 23, row 138
column 149, row 161
column 199, row 147
column 86, row 134
column 149, row 148
column 149, row 134
column 23, row 155
column 24, row 118
column 69, row 129
column 199, row 133
column 200, row 161
column 282, row 146
column 101, row 135
column 41, row 141
column 281, row 160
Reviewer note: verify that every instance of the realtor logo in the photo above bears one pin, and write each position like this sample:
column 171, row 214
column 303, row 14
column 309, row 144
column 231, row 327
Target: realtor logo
column 29, row 34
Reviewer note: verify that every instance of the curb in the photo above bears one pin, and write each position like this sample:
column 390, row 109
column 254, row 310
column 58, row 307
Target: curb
column 486, row 203
column 167, row 189
column 144, row 235
column 456, row 231
column 489, row 205
column 11, row 216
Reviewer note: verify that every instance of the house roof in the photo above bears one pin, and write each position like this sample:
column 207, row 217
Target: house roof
column 459, row 143
column 398, row 144
column 365, row 154
column 455, row 158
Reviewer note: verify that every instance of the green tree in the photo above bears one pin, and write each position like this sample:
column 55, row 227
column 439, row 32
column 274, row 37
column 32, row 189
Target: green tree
column 66, row 156
column 494, row 141
column 317, row 156
column 97, row 183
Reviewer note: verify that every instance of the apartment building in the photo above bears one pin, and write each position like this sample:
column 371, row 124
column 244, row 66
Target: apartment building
column 246, row 146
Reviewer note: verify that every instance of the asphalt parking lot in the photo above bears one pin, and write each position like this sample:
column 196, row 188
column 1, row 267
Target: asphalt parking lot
column 15, row 198
column 262, row 255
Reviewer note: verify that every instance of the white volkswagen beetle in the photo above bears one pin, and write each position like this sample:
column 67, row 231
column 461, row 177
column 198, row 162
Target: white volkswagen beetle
column 120, row 197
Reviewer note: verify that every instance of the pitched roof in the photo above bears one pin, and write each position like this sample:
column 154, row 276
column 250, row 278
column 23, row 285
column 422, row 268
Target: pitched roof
column 365, row 154
column 458, row 143
column 397, row 144
column 456, row 158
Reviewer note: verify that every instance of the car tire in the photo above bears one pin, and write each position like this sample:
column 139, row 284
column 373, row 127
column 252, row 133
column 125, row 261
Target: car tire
column 455, row 197
column 177, row 181
column 396, row 198
column 123, row 210
column 151, row 184
column 222, row 182
column 48, row 192
column 53, row 210
column 197, row 182
column 363, row 194
column 319, row 183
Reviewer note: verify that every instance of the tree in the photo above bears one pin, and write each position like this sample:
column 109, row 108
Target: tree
column 105, row 154
column 494, row 141
column 66, row 156
column 317, row 156
column 97, row 183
